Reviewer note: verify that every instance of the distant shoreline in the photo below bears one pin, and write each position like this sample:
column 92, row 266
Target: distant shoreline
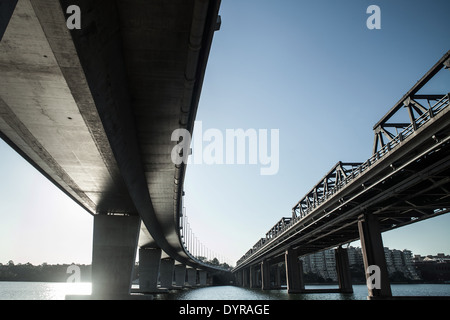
column 42, row 273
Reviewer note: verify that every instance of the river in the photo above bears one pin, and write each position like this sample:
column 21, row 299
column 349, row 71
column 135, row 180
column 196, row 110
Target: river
column 58, row 291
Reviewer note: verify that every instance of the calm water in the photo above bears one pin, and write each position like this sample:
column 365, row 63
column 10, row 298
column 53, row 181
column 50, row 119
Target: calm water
column 41, row 290
column 57, row 291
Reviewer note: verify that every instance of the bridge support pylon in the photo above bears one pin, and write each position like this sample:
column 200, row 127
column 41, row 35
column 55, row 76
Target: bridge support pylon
column 149, row 263
column 343, row 270
column 265, row 275
column 166, row 273
column 180, row 275
column 246, row 278
column 239, row 278
column 191, row 276
column 115, row 242
column 373, row 256
column 294, row 272
column 202, row 278
column 254, row 277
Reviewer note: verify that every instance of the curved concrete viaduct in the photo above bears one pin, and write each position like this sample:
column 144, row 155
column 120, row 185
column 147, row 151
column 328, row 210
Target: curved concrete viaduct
column 93, row 109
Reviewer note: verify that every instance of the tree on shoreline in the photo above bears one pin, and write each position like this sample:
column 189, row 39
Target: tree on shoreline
column 40, row 273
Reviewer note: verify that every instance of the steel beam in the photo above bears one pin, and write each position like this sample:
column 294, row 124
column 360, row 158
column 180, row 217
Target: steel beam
column 419, row 85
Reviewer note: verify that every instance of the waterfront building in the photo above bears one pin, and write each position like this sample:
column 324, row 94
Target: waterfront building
column 323, row 263
column 433, row 268
column 355, row 257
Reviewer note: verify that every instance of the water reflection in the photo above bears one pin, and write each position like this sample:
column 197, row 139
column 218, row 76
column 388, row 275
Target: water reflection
column 359, row 293
column 58, row 291
column 42, row 290
column 238, row 293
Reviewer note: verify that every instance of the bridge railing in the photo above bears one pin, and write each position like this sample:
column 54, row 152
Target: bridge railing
column 339, row 177
column 437, row 108
column 197, row 250
column 331, row 184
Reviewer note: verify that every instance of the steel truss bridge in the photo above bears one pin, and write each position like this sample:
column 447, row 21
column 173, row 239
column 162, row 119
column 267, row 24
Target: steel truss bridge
column 406, row 180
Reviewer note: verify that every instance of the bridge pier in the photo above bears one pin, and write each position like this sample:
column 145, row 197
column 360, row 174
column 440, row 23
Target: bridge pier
column 253, row 277
column 149, row 263
column 202, row 276
column 343, row 270
column 245, row 278
column 294, row 272
column 115, row 242
column 191, row 276
column 265, row 275
column 373, row 255
column 166, row 273
column 180, row 275
column 277, row 283
column 239, row 278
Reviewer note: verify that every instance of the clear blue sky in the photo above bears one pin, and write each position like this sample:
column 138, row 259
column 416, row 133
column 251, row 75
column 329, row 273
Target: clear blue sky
column 311, row 69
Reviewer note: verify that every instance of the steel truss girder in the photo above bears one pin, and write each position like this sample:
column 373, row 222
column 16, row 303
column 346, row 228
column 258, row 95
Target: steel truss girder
column 330, row 184
column 322, row 230
column 345, row 173
column 415, row 109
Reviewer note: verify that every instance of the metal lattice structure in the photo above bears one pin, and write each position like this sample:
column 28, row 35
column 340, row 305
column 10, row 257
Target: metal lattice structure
column 333, row 181
column 419, row 108
column 414, row 185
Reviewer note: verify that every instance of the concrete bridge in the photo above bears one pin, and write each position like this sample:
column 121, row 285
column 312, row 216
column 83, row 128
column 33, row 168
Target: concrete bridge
column 93, row 106
column 406, row 180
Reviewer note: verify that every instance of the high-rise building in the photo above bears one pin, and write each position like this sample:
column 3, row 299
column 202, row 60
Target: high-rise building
column 323, row 263
column 355, row 256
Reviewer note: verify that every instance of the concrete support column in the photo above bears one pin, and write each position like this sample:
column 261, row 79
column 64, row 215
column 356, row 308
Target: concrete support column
column 246, row 278
column 239, row 278
column 343, row 270
column 149, row 262
column 253, row 280
column 277, row 276
column 166, row 273
column 6, row 12
column 114, row 254
column 294, row 272
column 203, row 276
column 191, row 276
column 373, row 255
column 265, row 275
column 180, row 275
